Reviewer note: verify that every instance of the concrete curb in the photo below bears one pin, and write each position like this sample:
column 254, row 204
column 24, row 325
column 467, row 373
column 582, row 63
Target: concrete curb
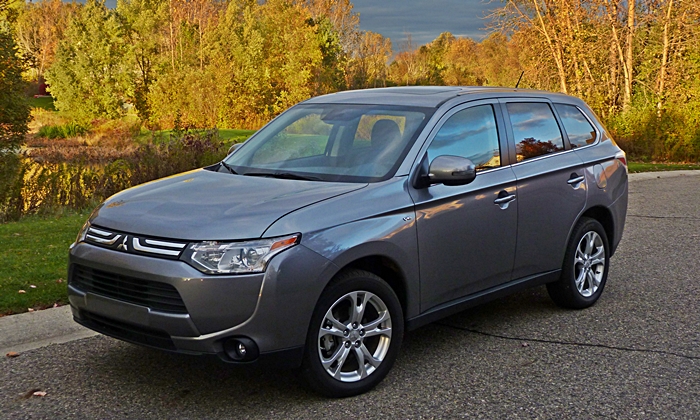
column 643, row 176
column 32, row 330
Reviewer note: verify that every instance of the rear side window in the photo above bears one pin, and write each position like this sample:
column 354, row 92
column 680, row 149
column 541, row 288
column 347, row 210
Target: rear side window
column 469, row 133
column 535, row 129
column 578, row 128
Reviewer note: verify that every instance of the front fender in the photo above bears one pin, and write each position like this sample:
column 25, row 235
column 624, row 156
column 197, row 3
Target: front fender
column 392, row 236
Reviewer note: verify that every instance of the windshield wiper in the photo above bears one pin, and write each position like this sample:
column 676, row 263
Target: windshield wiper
column 283, row 175
column 228, row 167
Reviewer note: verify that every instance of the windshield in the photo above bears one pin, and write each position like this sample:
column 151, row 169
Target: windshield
column 332, row 142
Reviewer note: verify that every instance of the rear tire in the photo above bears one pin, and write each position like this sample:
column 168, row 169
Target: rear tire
column 354, row 337
column 585, row 267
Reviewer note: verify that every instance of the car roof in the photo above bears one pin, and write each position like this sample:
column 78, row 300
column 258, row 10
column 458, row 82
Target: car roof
column 427, row 96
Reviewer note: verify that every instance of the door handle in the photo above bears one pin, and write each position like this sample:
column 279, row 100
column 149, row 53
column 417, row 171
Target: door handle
column 575, row 180
column 504, row 199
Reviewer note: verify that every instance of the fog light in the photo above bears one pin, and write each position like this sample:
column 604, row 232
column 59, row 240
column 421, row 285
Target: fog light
column 241, row 349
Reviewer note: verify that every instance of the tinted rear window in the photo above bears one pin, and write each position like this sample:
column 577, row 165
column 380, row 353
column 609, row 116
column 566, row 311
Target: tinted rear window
column 578, row 128
column 535, row 129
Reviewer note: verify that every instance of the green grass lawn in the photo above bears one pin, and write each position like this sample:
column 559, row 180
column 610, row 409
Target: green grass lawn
column 234, row 136
column 43, row 103
column 228, row 135
column 655, row 167
column 35, row 253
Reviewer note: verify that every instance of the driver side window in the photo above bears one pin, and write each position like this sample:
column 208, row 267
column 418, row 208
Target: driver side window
column 470, row 133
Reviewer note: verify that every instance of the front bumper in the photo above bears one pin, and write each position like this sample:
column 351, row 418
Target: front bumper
column 112, row 292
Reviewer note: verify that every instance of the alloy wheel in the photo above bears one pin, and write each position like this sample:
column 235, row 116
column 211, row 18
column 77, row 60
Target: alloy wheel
column 589, row 263
column 355, row 336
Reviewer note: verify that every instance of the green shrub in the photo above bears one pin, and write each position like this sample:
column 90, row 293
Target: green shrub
column 31, row 187
column 673, row 136
column 180, row 151
column 63, row 131
column 50, row 132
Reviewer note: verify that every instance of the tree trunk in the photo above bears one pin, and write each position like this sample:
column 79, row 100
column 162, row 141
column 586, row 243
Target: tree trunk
column 664, row 59
column 629, row 77
column 574, row 49
column 554, row 47
column 172, row 36
column 626, row 71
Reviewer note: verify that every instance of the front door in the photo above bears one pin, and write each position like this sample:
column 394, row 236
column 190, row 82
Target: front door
column 466, row 242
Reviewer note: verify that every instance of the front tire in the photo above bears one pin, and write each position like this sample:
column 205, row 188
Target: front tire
column 585, row 267
column 354, row 337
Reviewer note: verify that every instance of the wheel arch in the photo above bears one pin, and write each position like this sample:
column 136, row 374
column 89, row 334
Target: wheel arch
column 605, row 218
column 388, row 270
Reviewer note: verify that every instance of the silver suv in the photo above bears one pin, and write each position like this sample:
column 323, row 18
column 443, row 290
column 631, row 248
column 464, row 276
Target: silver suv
column 352, row 217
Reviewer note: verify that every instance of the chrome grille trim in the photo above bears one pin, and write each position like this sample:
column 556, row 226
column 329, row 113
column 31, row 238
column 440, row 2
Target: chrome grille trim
column 124, row 242
column 103, row 240
column 100, row 232
column 165, row 244
column 136, row 243
column 103, row 237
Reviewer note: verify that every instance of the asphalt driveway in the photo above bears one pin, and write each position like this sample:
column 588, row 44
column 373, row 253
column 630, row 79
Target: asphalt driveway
column 635, row 354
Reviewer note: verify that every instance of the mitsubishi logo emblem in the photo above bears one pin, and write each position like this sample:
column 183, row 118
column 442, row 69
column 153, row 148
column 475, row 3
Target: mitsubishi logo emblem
column 123, row 246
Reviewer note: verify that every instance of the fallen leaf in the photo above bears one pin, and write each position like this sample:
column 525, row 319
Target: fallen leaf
column 30, row 309
column 39, row 394
column 29, row 393
column 12, row 354
column 59, row 281
column 32, row 286
column 21, row 292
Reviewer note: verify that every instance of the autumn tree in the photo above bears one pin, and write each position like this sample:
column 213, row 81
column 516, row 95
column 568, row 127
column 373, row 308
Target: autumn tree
column 369, row 63
column 143, row 23
column 90, row 77
column 258, row 60
column 409, row 66
column 459, row 63
column 330, row 75
column 339, row 14
column 39, row 28
column 14, row 110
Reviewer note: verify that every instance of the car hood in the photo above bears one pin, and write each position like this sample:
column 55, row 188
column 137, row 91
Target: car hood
column 206, row 205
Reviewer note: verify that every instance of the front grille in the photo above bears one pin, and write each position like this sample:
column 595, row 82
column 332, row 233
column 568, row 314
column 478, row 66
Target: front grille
column 123, row 242
column 126, row 332
column 151, row 294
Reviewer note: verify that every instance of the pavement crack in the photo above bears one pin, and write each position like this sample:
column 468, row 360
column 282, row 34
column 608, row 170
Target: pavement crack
column 569, row 343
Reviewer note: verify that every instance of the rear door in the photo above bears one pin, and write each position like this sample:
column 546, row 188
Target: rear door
column 551, row 185
column 466, row 241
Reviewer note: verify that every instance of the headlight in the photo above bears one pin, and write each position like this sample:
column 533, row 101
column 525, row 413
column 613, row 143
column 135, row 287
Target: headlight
column 215, row 257
column 83, row 232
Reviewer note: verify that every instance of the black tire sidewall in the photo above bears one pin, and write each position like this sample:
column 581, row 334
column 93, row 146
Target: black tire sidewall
column 564, row 292
column 354, row 280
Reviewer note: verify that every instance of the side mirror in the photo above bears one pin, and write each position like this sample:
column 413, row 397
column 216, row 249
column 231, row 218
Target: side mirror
column 451, row 170
column 233, row 147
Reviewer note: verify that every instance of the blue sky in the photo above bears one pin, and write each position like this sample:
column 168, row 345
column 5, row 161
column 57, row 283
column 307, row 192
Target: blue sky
column 423, row 19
